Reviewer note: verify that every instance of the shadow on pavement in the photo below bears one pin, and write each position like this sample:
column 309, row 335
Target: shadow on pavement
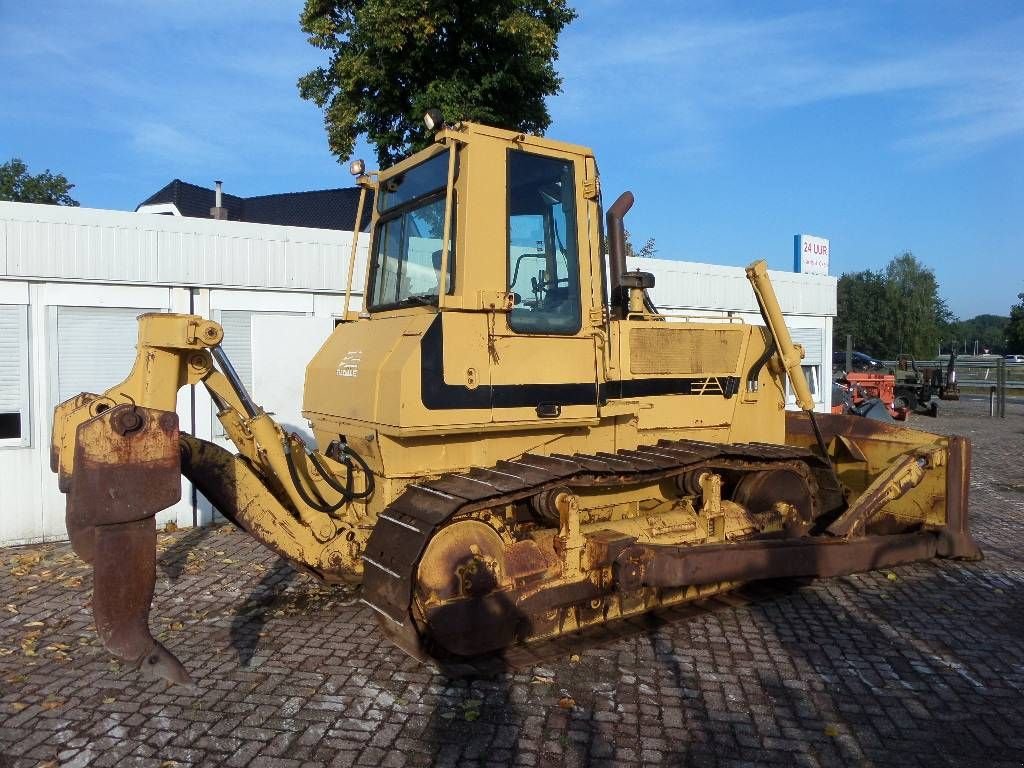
column 251, row 616
column 172, row 561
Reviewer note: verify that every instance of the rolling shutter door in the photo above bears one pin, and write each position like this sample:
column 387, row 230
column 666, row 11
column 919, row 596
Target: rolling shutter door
column 237, row 342
column 811, row 340
column 13, row 378
column 95, row 348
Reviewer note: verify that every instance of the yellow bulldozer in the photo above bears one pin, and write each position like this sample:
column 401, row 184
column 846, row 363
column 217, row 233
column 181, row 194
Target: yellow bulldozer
column 511, row 442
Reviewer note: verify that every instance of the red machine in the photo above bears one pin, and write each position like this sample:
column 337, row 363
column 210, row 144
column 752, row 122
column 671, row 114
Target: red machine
column 864, row 387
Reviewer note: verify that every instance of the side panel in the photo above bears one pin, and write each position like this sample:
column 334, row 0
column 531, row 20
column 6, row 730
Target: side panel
column 692, row 380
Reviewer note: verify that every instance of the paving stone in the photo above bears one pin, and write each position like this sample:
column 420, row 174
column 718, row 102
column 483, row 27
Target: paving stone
column 926, row 669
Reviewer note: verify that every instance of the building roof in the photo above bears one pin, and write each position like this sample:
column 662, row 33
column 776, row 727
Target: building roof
column 321, row 208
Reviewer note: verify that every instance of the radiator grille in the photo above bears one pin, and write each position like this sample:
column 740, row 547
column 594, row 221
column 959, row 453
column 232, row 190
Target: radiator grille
column 684, row 350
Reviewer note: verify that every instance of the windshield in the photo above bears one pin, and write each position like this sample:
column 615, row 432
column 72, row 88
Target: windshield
column 406, row 263
column 427, row 177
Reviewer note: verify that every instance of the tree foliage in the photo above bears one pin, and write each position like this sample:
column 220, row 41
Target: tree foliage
column 19, row 186
column 1015, row 327
column 646, row 251
column 861, row 311
column 895, row 311
column 490, row 61
column 988, row 330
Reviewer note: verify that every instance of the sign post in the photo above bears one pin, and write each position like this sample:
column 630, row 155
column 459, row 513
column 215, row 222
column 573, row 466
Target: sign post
column 810, row 254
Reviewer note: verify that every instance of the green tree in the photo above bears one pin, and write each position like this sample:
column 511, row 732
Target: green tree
column 989, row 331
column 1015, row 328
column 862, row 311
column 490, row 61
column 19, row 186
column 918, row 314
column 892, row 312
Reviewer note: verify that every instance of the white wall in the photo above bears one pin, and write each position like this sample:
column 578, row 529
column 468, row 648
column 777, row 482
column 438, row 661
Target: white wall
column 53, row 258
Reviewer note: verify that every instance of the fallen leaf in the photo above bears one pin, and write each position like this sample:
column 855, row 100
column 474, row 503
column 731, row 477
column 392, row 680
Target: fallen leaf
column 168, row 764
column 228, row 561
column 29, row 643
column 567, row 702
column 17, row 706
column 176, row 626
column 11, row 608
column 6, row 651
column 170, row 526
column 35, row 624
column 831, row 730
column 109, row 699
column 470, row 715
column 52, row 704
column 574, row 659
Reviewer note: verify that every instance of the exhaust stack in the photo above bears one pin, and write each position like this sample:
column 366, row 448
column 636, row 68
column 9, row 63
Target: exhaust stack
column 617, row 247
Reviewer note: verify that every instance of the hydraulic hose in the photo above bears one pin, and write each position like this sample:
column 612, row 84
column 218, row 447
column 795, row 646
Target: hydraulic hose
column 347, row 494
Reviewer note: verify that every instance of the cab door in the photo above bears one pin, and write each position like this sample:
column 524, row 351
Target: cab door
column 543, row 352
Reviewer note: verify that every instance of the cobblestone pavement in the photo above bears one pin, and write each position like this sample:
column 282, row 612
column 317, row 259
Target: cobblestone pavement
column 922, row 665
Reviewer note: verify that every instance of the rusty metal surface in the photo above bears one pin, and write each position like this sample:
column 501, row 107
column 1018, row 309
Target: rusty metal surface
column 853, row 427
column 956, row 540
column 125, row 575
column 127, row 468
column 664, row 566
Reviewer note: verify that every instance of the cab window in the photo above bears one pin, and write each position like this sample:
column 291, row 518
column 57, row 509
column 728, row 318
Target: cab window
column 543, row 261
column 406, row 265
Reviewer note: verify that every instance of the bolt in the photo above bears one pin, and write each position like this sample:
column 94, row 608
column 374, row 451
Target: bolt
column 126, row 421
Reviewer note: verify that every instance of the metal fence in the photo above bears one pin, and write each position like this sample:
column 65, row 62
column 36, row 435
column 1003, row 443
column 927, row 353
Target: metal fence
column 979, row 372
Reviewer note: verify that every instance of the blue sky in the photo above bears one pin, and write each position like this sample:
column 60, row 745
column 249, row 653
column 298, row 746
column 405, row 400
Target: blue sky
column 881, row 125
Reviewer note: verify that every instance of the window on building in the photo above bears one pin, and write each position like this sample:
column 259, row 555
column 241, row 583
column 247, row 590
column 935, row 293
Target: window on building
column 95, row 348
column 543, row 261
column 812, row 340
column 14, row 393
column 238, row 346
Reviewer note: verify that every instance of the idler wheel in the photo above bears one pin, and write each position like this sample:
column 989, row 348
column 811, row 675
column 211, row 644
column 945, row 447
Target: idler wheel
column 461, row 601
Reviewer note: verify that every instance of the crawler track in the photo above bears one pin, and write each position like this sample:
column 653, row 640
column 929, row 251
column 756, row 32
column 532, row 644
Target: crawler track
column 406, row 526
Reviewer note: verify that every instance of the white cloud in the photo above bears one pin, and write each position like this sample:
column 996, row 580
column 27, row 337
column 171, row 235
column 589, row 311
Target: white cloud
column 687, row 80
column 165, row 142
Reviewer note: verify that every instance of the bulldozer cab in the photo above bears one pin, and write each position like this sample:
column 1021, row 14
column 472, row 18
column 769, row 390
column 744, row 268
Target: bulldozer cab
column 487, row 303
column 503, row 294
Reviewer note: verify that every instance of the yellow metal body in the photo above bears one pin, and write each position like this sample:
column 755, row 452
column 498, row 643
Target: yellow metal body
column 436, row 388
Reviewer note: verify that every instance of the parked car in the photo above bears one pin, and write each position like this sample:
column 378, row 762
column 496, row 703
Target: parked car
column 861, row 362
column 1014, row 358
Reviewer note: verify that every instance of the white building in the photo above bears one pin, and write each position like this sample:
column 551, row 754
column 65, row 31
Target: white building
column 73, row 281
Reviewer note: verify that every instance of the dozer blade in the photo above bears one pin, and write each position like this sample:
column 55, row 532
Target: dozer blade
column 127, row 468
